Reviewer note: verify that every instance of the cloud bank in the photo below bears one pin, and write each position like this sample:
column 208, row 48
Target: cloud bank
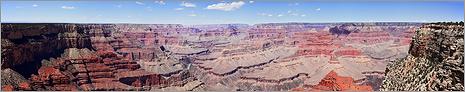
column 226, row 6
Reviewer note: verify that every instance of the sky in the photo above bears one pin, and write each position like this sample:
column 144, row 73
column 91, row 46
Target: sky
column 228, row 11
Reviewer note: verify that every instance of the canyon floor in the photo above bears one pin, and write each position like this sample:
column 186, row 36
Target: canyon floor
column 220, row 57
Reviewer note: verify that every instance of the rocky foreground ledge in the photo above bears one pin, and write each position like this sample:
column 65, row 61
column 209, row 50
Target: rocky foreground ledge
column 434, row 63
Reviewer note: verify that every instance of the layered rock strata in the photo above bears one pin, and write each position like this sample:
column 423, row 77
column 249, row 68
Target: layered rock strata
column 225, row 57
column 25, row 45
column 434, row 63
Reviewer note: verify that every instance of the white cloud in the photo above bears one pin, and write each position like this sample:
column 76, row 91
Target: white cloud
column 139, row 3
column 295, row 14
column 35, row 5
column 192, row 15
column 269, row 15
column 179, row 9
column 160, row 2
column 186, row 4
column 318, row 9
column 68, row 7
column 226, row 6
column 251, row 1
column 280, row 15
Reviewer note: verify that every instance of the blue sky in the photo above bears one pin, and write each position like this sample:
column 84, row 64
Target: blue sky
column 220, row 12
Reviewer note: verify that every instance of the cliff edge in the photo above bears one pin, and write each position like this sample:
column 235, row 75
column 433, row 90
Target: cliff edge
column 434, row 63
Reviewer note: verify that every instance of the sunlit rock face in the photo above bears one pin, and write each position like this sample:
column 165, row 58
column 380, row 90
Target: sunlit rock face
column 217, row 57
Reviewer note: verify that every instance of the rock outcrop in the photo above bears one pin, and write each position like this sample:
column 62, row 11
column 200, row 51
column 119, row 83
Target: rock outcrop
column 25, row 45
column 434, row 63
column 82, row 69
column 332, row 81
column 11, row 80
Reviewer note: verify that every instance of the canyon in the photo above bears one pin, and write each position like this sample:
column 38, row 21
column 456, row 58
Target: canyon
column 216, row 57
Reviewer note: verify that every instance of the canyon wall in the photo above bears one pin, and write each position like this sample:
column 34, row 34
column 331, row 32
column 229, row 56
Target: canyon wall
column 218, row 57
column 25, row 45
column 434, row 63
column 83, row 56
